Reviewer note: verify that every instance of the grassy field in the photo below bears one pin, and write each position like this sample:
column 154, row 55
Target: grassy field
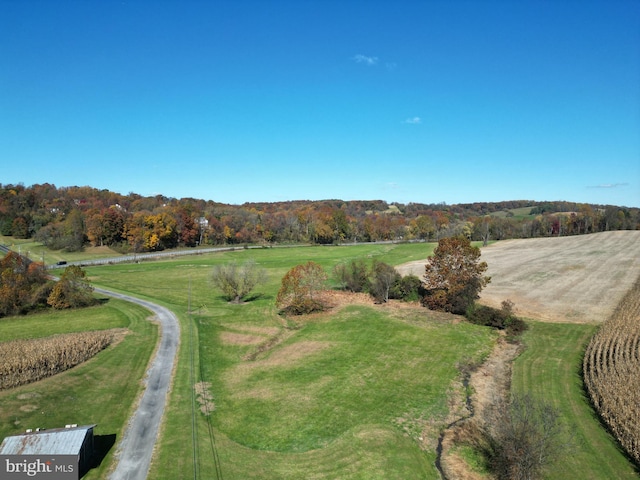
column 519, row 213
column 100, row 391
column 550, row 369
column 358, row 393
column 352, row 394
column 37, row 252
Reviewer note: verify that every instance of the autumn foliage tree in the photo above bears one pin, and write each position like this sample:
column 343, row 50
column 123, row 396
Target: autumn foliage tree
column 454, row 275
column 72, row 290
column 20, row 284
column 300, row 288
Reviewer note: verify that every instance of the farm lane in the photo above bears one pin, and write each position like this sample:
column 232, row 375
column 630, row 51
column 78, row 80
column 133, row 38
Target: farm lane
column 136, row 447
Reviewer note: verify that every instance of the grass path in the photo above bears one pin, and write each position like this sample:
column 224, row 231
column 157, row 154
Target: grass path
column 550, row 368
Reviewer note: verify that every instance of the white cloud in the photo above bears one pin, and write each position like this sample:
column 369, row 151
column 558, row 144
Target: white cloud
column 609, row 185
column 370, row 61
column 413, row 120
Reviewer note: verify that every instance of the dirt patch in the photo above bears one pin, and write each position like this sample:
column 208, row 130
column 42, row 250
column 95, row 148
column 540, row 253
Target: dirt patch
column 28, row 408
column 291, row 354
column 257, row 330
column 27, row 396
column 234, row 338
column 578, row 279
column 490, row 384
column 204, row 397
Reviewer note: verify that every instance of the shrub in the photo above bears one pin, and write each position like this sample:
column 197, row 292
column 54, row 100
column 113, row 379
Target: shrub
column 383, row 277
column 299, row 292
column 502, row 319
column 237, row 281
column 525, row 438
column 408, row 288
column 72, row 290
column 353, row 275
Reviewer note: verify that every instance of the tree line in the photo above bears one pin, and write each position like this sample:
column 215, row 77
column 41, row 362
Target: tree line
column 70, row 218
column 26, row 287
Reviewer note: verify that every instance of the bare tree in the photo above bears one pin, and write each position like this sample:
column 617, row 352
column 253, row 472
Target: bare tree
column 236, row 281
column 383, row 277
column 525, row 438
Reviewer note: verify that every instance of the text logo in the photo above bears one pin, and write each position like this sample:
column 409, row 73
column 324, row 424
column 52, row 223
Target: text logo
column 44, row 467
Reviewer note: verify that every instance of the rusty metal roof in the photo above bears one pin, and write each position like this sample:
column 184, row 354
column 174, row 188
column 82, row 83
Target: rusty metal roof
column 53, row 441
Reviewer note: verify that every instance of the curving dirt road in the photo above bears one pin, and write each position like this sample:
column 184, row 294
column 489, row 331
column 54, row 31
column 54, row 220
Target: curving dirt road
column 136, row 447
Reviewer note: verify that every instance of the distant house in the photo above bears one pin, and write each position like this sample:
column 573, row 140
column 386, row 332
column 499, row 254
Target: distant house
column 70, row 440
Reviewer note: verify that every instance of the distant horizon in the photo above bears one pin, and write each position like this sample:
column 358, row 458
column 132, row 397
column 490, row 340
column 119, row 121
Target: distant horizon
column 270, row 101
column 326, row 199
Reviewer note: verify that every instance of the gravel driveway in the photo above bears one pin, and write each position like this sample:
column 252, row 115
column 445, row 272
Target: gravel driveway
column 135, row 449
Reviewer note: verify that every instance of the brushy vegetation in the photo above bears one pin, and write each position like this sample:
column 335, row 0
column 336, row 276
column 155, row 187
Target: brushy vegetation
column 612, row 372
column 501, row 319
column 237, row 281
column 379, row 279
column 300, row 290
column 26, row 361
column 525, row 438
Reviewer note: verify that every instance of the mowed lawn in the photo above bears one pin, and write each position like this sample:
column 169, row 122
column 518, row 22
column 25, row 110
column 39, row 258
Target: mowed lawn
column 357, row 393
column 550, row 369
column 100, row 391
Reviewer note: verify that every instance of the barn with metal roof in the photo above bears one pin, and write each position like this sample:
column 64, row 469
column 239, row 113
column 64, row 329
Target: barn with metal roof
column 70, row 440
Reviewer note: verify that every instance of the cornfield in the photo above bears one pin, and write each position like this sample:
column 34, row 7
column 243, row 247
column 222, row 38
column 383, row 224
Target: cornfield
column 26, row 361
column 612, row 372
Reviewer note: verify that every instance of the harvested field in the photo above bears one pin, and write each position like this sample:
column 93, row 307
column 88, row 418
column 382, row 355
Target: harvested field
column 577, row 279
column 27, row 361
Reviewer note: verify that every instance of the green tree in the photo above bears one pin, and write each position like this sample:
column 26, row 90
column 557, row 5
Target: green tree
column 298, row 293
column 20, row 228
column 454, row 275
column 72, row 290
column 237, row 281
column 74, row 231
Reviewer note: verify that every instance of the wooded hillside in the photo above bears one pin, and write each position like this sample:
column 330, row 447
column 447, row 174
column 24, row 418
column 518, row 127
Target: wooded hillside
column 71, row 217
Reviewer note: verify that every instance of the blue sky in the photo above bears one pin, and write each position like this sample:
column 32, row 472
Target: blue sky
column 405, row 101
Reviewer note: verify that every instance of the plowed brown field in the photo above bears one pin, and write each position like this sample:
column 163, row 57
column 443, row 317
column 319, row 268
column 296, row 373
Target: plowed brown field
column 566, row 279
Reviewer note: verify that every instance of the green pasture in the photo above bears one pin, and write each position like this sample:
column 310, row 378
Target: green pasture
column 550, row 369
column 38, row 252
column 522, row 212
column 101, row 391
column 352, row 394
column 359, row 393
